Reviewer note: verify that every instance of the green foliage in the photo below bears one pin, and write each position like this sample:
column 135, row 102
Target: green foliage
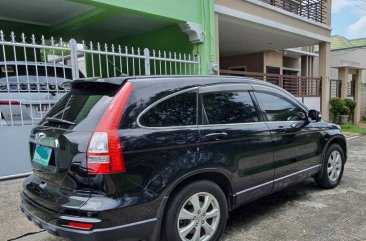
column 336, row 105
column 352, row 128
column 345, row 111
column 351, row 104
column 339, row 106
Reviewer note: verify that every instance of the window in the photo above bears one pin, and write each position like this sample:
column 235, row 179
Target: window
column 278, row 108
column 83, row 107
column 272, row 70
column 179, row 110
column 229, row 107
column 242, row 68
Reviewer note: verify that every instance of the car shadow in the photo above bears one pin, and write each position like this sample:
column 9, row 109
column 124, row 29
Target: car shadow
column 269, row 205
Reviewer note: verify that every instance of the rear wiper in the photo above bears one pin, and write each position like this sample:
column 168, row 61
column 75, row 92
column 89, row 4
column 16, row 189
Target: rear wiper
column 57, row 120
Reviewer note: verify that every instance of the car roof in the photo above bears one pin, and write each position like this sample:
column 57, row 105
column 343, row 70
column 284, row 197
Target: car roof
column 184, row 80
column 200, row 79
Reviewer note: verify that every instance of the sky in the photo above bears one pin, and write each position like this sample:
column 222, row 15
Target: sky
column 349, row 18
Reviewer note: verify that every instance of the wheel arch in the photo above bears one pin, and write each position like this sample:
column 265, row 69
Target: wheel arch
column 338, row 139
column 217, row 176
column 341, row 141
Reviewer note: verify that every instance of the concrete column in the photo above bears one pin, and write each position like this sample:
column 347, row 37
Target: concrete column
column 329, row 13
column 358, row 79
column 217, row 40
column 343, row 77
column 324, row 73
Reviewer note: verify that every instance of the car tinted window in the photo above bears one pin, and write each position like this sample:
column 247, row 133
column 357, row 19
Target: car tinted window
column 179, row 110
column 229, row 107
column 278, row 108
column 83, row 107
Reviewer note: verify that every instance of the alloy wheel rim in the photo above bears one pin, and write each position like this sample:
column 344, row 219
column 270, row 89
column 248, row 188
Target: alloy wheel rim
column 334, row 166
column 199, row 217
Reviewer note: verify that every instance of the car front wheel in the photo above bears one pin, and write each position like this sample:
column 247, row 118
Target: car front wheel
column 333, row 167
column 196, row 213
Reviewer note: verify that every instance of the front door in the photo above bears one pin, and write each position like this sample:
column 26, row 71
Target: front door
column 296, row 147
column 233, row 136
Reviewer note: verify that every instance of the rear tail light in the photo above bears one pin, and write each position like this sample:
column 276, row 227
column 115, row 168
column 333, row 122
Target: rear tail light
column 77, row 225
column 104, row 154
column 9, row 102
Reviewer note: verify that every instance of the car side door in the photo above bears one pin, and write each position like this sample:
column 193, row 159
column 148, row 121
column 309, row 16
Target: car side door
column 296, row 148
column 234, row 138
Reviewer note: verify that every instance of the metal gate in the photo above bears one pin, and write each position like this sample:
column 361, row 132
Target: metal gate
column 35, row 72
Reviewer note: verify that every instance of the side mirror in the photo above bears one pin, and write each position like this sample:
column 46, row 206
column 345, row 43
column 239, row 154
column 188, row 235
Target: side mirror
column 314, row 115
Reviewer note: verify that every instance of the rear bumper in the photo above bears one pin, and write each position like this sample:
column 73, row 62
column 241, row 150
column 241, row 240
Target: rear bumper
column 142, row 230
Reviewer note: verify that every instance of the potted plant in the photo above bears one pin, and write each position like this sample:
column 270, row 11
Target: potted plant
column 344, row 113
column 336, row 107
column 351, row 104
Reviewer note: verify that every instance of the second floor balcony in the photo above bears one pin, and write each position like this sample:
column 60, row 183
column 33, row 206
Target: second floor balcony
column 315, row 10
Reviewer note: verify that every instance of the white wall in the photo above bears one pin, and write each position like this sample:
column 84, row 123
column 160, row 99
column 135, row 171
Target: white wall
column 14, row 150
column 363, row 99
column 311, row 102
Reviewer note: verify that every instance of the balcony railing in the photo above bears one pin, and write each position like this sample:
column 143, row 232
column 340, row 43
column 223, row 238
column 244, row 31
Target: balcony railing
column 299, row 86
column 315, row 10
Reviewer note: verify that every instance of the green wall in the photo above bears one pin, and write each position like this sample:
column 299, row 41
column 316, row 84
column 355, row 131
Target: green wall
column 177, row 11
column 169, row 39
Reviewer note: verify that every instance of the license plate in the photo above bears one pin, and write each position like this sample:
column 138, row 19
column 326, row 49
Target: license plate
column 42, row 108
column 42, row 155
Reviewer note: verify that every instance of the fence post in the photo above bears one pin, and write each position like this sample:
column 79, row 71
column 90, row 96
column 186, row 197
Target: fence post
column 74, row 59
column 147, row 61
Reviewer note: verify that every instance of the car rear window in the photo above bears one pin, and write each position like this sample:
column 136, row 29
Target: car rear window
column 83, row 107
column 179, row 110
column 229, row 107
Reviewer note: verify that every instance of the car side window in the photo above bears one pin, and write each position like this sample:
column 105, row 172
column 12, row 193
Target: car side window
column 229, row 107
column 278, row 108
column 178, row 110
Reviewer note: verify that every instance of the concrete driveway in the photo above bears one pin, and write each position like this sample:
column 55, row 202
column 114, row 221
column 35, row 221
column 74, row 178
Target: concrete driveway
column 300, row 213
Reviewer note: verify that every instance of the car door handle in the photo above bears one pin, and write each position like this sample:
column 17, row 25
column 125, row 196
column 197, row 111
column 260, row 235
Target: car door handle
column 280, row 130
column 216, row 136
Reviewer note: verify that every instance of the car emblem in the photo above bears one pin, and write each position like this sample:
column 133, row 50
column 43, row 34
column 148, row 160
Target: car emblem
column 40, row 136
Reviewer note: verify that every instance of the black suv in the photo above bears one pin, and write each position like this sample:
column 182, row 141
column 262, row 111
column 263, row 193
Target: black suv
column 167, row 158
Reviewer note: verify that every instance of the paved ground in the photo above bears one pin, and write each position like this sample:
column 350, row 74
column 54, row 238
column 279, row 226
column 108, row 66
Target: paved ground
column 300, row 213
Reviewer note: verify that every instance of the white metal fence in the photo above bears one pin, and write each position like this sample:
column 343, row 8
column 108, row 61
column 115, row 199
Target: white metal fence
column 35, row 72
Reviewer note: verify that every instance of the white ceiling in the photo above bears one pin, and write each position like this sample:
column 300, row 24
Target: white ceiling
column 238, row 37
column 41, row 12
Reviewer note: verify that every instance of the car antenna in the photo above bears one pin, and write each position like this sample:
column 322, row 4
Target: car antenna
column 121, row 73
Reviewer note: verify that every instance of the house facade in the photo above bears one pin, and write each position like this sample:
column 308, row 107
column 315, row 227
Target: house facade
column 269, row 39
column 348, row 68
column 182, row 27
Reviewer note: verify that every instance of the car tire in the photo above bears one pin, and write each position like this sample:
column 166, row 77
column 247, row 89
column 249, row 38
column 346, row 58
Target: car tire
column 198, row 209
column 333, row 167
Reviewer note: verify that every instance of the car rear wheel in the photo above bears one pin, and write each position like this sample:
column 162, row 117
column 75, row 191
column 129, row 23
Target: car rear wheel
column 333, row 167
column 198, row 212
